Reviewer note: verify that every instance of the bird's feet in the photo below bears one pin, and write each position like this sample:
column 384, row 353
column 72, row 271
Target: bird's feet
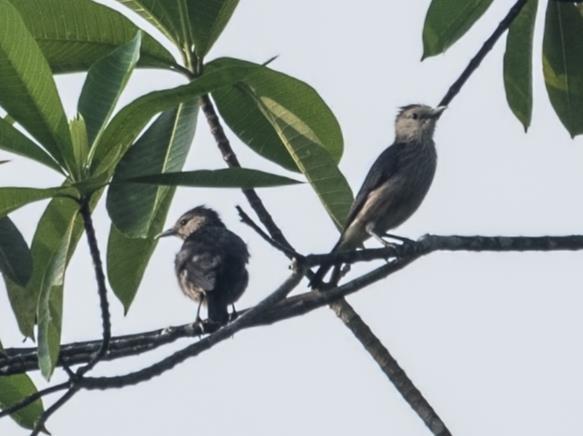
column 401, row 239
column 369, row 228
column 234, row 314
column 199, row 325
column 206, row 326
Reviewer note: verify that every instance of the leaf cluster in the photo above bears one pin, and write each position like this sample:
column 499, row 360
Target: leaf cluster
column 562, row 52
column 134, row 156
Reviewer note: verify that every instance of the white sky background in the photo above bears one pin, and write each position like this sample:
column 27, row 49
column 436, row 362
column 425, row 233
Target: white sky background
column 492, row 340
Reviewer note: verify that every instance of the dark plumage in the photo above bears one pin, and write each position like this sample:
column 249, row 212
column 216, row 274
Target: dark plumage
column 395, row 185
column 210, row 266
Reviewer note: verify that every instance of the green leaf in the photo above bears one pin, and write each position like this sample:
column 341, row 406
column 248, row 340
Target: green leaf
column 563, row 63
column 50, row 232
column 447, row 21
column 242, row 178
column 23, row 303
column 90, row 184
column 316, row 164
column 129, row 121
column 207, row 20
column 80, row 144
column 164, row 15
column 190, row 23
column 16, row 266
column 9, row 119
column 127, row 258
column 240, row 112
column 162, row 148
column 74, row 34
column 15, row 258
column 106, row 79
column 50, row 303
column 27, row 89
column 14, row 198
column 13, row 141
column 518, row 63
column 15, row 388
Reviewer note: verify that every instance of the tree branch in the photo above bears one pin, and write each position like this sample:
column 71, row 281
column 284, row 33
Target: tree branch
column 276, row 306
column 40, row 425
column 101, row 287
column 269, row 312
column 20, row 360
column 244, row 320
column 231, row 159
column 246, row 219
column 393, row 371
column 357, row 325
column 288, row 308
column 479, row 57
column 72, row 385
column 346, row 313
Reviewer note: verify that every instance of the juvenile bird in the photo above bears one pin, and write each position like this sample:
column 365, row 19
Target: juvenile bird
column 395, row 185
column 210, row 266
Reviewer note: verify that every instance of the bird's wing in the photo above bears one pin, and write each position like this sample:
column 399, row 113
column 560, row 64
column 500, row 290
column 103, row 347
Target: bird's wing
column 202, row 270
column 384, row 167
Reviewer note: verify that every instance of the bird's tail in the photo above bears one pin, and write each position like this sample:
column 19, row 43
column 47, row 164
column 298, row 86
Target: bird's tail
column 318, row 277
column 217, row 309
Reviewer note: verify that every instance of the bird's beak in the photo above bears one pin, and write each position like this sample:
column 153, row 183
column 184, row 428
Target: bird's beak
column 169, row 232
column 438, row 111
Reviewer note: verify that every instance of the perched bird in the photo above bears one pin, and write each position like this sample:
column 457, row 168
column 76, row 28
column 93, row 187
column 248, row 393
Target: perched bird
column 395, row 185
column 210, row 266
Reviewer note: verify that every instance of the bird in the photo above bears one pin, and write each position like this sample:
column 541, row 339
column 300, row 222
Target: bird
column 211, row 265
column 395, row 185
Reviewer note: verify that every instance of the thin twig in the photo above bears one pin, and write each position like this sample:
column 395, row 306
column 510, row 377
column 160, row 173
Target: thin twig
column 246, row 219
column 40, row 424
column 244, row 320
column 232, row 161
column 101, row 287
column 32, row 398
column 479, row 57
column 270, row 60
column 75, row 379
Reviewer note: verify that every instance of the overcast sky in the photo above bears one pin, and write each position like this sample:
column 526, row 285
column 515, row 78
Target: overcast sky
column 492, row 340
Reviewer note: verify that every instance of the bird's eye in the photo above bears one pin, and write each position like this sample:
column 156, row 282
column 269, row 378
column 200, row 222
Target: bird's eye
column 183, row 221
column 414, row 115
